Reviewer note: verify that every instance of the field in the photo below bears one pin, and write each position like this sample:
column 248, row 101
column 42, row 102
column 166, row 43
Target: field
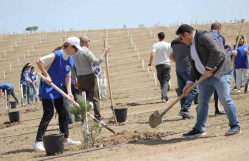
column 132, row 88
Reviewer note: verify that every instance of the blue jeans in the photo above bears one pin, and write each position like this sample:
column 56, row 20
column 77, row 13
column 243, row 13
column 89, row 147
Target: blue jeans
column 32, row 92
column 11, row 92
column 25, row 92
column 206, row 89
column 186, row 102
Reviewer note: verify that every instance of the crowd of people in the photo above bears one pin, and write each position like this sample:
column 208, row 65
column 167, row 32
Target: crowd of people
column 73, row 68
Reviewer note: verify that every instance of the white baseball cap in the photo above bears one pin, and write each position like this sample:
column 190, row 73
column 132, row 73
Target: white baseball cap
column 74, row 41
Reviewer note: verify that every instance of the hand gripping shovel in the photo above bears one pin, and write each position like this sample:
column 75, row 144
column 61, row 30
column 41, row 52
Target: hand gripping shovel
column 156, row 118
column 102, row 123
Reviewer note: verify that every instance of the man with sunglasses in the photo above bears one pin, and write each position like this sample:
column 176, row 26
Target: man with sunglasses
column 86, row 79
column 207, row 53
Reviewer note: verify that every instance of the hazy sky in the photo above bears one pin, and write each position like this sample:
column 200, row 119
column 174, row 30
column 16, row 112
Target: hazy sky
column 50, row 15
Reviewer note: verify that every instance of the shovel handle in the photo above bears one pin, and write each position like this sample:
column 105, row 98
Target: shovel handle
column 237, row 43
column 75, row 103
column 188, row 90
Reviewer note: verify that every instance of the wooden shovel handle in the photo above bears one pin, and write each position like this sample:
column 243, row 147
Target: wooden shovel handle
column 237, row 43
column 189, row 89
column 75, row 103
column 109, row 84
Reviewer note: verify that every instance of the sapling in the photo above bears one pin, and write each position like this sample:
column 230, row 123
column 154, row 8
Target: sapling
column 94, row 128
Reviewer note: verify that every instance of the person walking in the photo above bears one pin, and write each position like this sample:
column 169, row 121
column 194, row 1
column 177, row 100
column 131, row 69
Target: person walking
column 161, row 53
column 10, row 91
column 207, row 53
column 179, row 55
column 56, row 67
column 86, row 80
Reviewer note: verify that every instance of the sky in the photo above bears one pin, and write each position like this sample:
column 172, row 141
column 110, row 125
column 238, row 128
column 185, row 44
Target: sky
column 55, row 15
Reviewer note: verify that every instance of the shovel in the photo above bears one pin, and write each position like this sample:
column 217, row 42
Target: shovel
column 109, row 85
column 156, row 118
column 102, row 123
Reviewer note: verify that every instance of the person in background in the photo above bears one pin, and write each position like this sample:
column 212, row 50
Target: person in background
column 207, row 53
column 179, row 55
column 97, row 71
column 75, row 91
column 241, row 62
column 56, row 67
column 10, row 91
column 216, row 31
column 33, row 87
column 161, row 52
column 24, row 82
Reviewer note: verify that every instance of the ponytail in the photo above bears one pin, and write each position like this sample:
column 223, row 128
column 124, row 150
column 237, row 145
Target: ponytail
column 65, row 45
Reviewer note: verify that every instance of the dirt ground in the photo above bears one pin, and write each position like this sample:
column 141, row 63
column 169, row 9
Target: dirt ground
column 134, row 89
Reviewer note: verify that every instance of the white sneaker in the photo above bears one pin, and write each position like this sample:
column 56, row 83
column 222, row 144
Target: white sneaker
column 38, row 146
column 71, row 142
column 238, row 91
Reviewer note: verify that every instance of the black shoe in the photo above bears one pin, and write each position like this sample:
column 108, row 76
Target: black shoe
column 194, row 133
column 70, row 122
column 235, row 88
column 185, row 115
column 220, row 112
column 233, row 130
column 165, row 99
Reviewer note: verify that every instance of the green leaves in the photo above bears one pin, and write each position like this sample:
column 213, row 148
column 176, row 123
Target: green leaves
column 83, row 109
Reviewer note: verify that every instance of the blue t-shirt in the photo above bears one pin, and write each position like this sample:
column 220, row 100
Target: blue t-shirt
column 241, row 58
column 33, row 77
column 57, row 72
column 6, row 86
column 97, row 71
column 24, row 77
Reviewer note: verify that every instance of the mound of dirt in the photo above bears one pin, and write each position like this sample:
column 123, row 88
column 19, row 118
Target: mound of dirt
column 125, row 137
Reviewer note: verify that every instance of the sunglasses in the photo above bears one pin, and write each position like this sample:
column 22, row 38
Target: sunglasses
column 75, row 48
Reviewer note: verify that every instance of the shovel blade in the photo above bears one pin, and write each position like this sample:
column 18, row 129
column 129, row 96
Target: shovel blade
column 155, row 119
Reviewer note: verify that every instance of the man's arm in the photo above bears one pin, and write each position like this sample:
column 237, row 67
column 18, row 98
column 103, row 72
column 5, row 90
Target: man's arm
column 151, row 60
column 215, row 49
column 171, row 56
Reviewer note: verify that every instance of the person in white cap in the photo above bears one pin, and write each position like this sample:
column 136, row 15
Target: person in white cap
column 56, row 67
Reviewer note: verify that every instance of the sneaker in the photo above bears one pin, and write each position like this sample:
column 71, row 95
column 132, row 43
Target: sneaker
column 238, row 91
column 165, row 99
column 185, row 114
column 234, row 130
column 235, row 88
column 38, row 146
column 194, row 133
column 70, row 142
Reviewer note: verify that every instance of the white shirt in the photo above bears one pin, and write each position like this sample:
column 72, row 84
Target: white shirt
column 162, row 51
column 199, row 66
column 49, row 59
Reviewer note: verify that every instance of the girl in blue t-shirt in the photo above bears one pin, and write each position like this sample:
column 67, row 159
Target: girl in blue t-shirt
column 33, row 86
column 24, row 82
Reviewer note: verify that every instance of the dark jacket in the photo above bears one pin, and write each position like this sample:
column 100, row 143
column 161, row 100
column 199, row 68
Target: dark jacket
column 211, row 54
